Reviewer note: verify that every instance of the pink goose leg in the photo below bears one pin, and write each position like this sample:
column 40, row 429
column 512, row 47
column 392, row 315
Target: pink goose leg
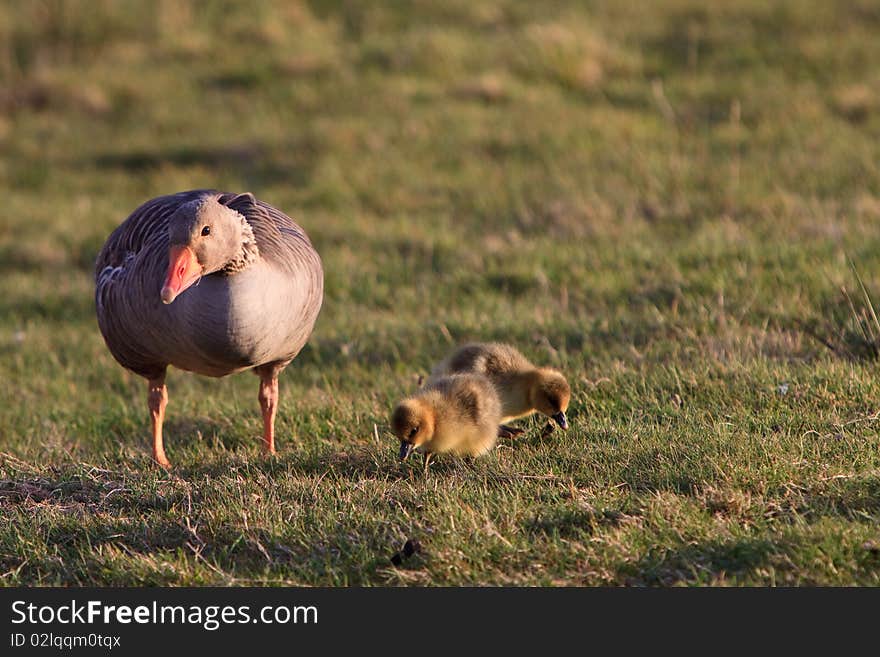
column 158, row 400
column 269, row 406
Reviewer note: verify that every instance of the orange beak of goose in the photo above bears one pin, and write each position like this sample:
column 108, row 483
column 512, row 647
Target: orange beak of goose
column 183, row 270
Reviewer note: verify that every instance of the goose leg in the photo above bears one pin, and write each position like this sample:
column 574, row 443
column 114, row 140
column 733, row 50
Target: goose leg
column 505, row 431
column 269, row 406
column 157, row 399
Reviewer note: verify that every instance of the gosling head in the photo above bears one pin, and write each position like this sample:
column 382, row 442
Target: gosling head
column 413, row 424
column 550, row 395
column 203, row 237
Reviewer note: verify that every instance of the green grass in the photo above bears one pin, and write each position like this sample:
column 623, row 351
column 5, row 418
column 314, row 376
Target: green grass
column 661, row 199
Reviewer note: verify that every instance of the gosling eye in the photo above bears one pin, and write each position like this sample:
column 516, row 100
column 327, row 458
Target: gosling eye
column 413, row 432
column 206, row 230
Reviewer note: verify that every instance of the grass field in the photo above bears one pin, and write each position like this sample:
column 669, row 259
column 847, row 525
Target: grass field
column 668, row 201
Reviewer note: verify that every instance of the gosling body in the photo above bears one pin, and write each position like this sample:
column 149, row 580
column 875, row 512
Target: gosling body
column 456, row 414
column 523, row 387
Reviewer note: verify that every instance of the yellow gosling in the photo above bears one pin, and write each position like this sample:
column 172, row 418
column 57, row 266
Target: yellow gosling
column 522, row 387
column 456, row 414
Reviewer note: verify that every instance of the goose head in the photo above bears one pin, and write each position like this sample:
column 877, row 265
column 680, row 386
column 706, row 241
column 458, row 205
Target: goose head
column 204, row 237
column 550, row 394
column 413, row 424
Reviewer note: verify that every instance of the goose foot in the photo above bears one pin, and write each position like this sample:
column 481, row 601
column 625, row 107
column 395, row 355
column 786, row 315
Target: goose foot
column 505, row 431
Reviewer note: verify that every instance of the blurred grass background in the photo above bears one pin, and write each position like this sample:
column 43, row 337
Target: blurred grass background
column 666, row 200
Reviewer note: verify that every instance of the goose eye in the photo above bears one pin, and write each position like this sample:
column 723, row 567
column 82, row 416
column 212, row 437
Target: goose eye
column 413, row 431
column 206, row 230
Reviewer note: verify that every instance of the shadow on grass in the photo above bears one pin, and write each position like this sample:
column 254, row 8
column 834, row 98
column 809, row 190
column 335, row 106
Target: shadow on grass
column 80, row 496
column 188, row 432
column 845, row 325
column 853, row 499
column 699, row 564
column 84, row 521
column 104, row 528
column 353, row 465
column 645, row 473
column 571, row 522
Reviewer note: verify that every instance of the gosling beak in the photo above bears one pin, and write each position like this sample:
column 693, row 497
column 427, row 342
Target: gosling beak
column 405, row 450
column 559, row 418
column 183, row 270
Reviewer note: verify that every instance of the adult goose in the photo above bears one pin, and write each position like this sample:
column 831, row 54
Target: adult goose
column 212, row 283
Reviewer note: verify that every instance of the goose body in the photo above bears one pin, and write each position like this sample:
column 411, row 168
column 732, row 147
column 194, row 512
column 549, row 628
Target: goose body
column 457, row 414
column 209, row 282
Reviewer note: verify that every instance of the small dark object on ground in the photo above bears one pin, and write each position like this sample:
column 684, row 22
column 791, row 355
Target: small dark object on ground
column 547, row 430
column 410, row 548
